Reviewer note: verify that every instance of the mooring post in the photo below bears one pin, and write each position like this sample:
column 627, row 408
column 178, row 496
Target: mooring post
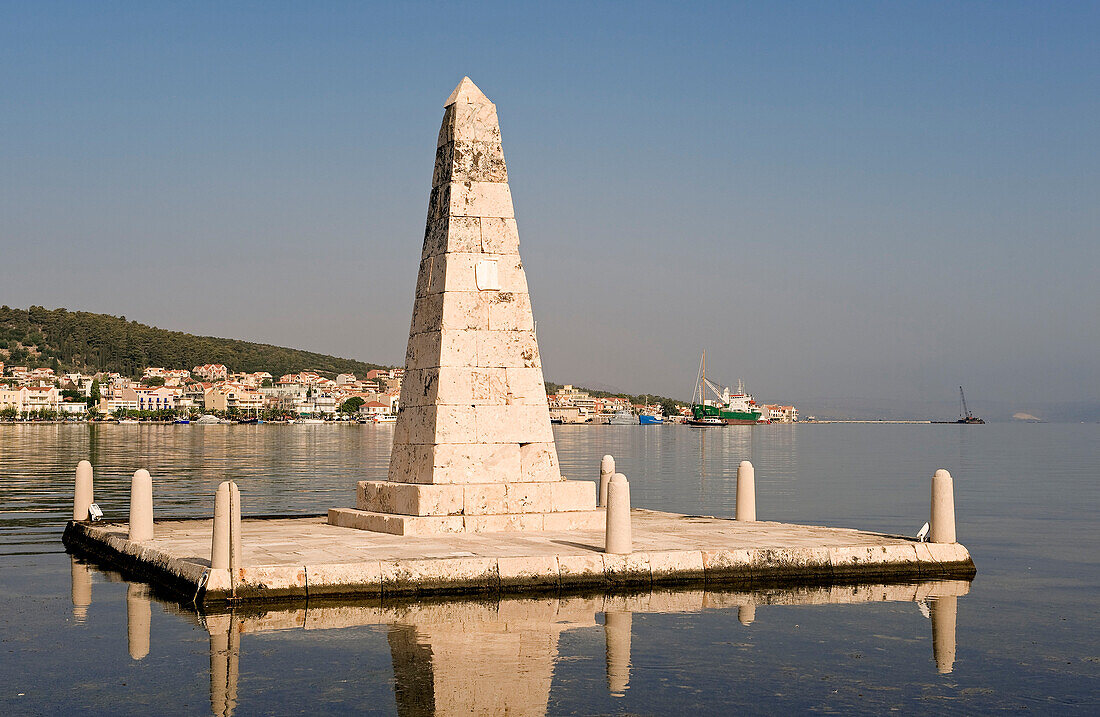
column 746, row 492
column 607, row 469
column 141, row 506
column 943, row 508
column 617, row 538
column 234, row 531
column 219, row 547
column 746, row 614
column 82, row 496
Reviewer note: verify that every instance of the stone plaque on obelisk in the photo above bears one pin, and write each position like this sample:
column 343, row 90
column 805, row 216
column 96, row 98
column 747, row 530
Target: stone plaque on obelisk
column 473, row 450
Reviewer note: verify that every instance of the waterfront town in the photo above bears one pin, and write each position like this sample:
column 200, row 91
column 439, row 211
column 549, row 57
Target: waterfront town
column 212, row 390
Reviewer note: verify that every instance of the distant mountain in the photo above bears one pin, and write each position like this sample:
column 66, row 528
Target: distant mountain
column 81, row 341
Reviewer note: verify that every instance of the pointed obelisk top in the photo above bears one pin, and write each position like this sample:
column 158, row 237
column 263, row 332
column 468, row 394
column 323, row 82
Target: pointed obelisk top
column 467, row 92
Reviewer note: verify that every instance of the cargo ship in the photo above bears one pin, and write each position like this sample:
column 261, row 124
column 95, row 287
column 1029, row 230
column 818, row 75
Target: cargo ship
column 725, row 408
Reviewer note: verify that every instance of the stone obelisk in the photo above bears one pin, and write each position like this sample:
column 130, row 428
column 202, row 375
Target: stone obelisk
column 472, row 450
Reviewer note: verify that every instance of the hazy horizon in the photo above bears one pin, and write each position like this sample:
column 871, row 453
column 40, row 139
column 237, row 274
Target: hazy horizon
column 860, row 202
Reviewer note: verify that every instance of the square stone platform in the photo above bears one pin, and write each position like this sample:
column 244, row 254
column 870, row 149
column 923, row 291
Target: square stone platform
column 306, row 557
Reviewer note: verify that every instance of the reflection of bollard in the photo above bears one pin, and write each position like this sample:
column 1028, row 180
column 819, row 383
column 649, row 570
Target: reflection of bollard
column 943, row 612
column 617, row 536
column 141, row 506
column 81, row 591
column 82, row 496
column 607, row 469
column 225, row 647
column 746, row 614
column 943, row 508
column 746, row 492
column 139, row 616
column 616, row 627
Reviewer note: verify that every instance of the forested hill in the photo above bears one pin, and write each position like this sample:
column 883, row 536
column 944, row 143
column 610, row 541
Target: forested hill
column 82, row 341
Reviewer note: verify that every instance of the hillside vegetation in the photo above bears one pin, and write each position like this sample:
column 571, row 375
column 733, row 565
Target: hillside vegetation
column 82, row 341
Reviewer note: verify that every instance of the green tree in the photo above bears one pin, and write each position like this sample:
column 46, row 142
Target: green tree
column 351, row 405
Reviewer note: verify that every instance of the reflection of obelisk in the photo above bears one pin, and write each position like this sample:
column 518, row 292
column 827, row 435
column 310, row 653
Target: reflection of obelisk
column 943, row 612
column 473, row 450
column 479, row 661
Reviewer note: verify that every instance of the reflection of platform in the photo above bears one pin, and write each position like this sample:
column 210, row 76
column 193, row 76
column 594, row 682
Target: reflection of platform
column 299, row 557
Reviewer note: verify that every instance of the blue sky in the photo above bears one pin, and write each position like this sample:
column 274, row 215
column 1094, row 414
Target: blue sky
column 836, row 200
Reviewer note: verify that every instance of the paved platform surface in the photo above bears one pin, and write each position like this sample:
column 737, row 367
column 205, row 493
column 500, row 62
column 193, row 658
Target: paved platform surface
column 299, row 557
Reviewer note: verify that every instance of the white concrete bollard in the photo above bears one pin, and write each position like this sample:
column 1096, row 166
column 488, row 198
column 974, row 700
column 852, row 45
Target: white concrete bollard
column 141, row 506
column 943, row 508
column 139, row 616
column 234, row 529
column 746, row 492
column 225, row 547
column 219, row 547
column 617, row 538
column 82, row 496
column 607, row 469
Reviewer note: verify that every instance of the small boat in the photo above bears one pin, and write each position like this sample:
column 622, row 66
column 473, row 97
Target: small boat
column 128, row 420
column 183, row 421
column 705, row 421
column 311, row 420
column 208, row 420
column 623, row 418
column 384, row 418
column 651, row 419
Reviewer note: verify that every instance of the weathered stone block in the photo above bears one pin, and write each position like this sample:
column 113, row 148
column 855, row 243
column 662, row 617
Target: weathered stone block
column 513, row 424
column 676, row 566
column 435, row 424
column 533, row 571
column 409, row 498
column 582, row 570
column 572, row 495
column 489, row 386
column 271, row 581
column 507, row 349
column 410, row 463
column 425, row 576
column 364, row 578
column 526, row 385
column 539, row 461
column 475, row 463
column 483, row 499
column 470, row 161
column 575, row 520
column 510, row 311
column 527, row 498
column 499, row 236
column 500, row 523
column 629, row 569
column 481, row 199
column 475, row 121
column 734, row 564
column 452, row 234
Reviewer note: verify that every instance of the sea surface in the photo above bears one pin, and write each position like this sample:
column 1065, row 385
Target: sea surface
column 79, row 639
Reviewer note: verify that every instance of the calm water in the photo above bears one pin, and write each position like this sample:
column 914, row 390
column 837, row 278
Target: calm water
column 1027, row 501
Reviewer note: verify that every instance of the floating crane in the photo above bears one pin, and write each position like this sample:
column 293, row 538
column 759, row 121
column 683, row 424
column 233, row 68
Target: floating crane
column 966, row 416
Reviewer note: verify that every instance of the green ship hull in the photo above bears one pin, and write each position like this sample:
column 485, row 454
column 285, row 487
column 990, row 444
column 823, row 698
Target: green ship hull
column 727, row 416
